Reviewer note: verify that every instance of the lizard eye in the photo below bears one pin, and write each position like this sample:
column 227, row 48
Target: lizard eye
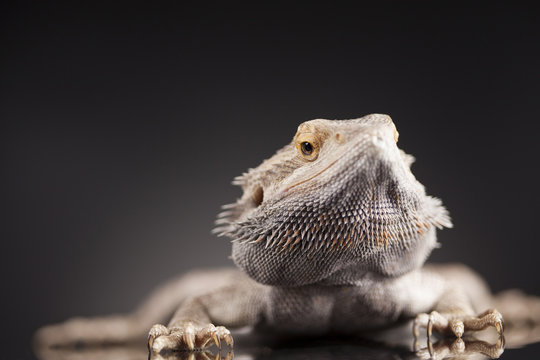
column 307, row 146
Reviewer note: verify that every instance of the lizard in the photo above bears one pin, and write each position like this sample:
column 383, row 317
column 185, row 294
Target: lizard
column 330, row 235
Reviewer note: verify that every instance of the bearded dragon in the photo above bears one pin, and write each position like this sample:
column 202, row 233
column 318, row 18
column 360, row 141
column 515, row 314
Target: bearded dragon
column 330, row 236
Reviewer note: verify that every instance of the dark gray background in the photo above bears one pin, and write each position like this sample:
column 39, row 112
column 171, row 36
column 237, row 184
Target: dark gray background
column 123, row 125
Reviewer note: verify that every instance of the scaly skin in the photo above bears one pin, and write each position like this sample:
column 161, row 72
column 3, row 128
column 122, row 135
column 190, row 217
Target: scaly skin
column 330, row 236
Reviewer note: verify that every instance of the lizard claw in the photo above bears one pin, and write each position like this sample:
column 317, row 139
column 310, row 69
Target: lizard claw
column 189, row 336
column 499, row 325
column 429, row 327
column 216, row 338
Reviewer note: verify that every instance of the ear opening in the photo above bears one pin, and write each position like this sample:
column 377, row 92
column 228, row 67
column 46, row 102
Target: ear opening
column 258, row 196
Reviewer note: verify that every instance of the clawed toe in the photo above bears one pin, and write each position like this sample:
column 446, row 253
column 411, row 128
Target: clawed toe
column 489, row 318
column 156, row 331
column 224, row 334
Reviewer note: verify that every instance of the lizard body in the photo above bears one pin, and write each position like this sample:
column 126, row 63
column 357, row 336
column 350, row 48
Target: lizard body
column 330, row 236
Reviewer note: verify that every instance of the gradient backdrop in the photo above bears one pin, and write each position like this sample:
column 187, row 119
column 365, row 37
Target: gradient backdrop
column 123, row 125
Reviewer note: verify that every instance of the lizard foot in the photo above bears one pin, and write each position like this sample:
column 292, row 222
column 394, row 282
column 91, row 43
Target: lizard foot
column 448, row 323
column 448, row 348
column 189, row 336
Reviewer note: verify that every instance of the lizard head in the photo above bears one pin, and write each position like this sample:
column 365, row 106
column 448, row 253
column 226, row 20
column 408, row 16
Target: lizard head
column 335, row 204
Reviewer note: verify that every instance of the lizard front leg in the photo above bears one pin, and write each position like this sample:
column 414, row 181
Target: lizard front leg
column 203, row 320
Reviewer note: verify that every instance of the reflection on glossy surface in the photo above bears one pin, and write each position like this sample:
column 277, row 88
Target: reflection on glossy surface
column 396, row 343
column 450, row 348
